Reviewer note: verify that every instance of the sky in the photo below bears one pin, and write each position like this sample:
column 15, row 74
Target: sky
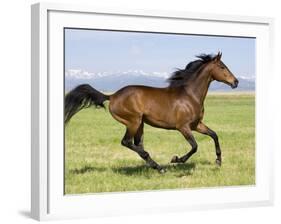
column 110, row 51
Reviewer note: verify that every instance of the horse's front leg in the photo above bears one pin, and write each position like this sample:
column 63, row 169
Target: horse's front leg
column 203, row 129
column 190, row 138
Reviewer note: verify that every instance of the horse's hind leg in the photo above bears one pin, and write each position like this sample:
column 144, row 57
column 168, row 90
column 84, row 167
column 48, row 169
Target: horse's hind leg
column 203, row 129
column 189, row 137
column 138, row 138
column 137, row 146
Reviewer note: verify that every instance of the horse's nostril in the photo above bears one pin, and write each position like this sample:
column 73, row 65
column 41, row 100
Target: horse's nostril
column 236, row 83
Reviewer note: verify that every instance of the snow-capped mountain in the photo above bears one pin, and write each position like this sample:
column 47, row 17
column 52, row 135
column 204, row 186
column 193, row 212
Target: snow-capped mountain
column 82, row 74
column 113, row 80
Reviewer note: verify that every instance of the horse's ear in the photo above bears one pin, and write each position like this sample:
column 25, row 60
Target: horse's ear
column 218, row 57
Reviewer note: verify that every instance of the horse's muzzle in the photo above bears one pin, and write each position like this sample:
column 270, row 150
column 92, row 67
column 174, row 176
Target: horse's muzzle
column 234, row 84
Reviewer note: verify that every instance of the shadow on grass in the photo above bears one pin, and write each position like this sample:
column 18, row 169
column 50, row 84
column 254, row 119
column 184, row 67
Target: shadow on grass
column 205, row 162
column 178, row 170
column 87, row 169
column 184, row 169
column 131, row 170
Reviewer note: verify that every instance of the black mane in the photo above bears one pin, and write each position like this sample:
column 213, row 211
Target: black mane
column 179, row 77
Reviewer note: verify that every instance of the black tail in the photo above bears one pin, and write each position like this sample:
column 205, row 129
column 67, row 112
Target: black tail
column 81, row 97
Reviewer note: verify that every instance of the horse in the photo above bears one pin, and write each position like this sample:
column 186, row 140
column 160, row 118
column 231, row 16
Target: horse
column 179, row 106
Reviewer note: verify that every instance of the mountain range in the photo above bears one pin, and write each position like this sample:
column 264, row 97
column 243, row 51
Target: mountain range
column 112, row 81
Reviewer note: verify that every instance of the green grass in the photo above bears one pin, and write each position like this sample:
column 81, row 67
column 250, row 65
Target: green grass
column 96, row 162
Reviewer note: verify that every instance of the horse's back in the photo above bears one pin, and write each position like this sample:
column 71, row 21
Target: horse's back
column 137, row 89
column 136, row 92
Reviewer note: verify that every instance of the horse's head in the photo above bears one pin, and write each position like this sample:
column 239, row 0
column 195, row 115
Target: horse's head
column 220, row 72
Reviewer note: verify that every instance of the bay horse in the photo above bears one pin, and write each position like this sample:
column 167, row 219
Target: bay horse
column 180, row 106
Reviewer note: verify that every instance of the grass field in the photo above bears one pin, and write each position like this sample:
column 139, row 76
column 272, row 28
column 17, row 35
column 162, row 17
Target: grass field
column 96, row 162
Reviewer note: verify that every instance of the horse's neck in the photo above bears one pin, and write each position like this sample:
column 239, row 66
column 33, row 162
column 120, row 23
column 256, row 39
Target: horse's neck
column 200, row 84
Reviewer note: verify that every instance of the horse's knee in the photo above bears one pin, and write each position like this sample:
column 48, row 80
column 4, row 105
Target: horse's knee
column 194, row 148
column 214, row 136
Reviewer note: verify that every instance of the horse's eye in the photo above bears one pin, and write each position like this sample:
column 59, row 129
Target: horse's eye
column 222, row 67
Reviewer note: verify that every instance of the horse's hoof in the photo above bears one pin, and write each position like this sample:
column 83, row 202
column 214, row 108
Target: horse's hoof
column 218, row 162
column 175, row 159
column 162, row 170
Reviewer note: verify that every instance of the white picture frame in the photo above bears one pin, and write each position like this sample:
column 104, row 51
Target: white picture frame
column 47, row 198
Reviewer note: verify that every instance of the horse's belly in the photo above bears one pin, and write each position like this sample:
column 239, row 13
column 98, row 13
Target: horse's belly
column 159, row 122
